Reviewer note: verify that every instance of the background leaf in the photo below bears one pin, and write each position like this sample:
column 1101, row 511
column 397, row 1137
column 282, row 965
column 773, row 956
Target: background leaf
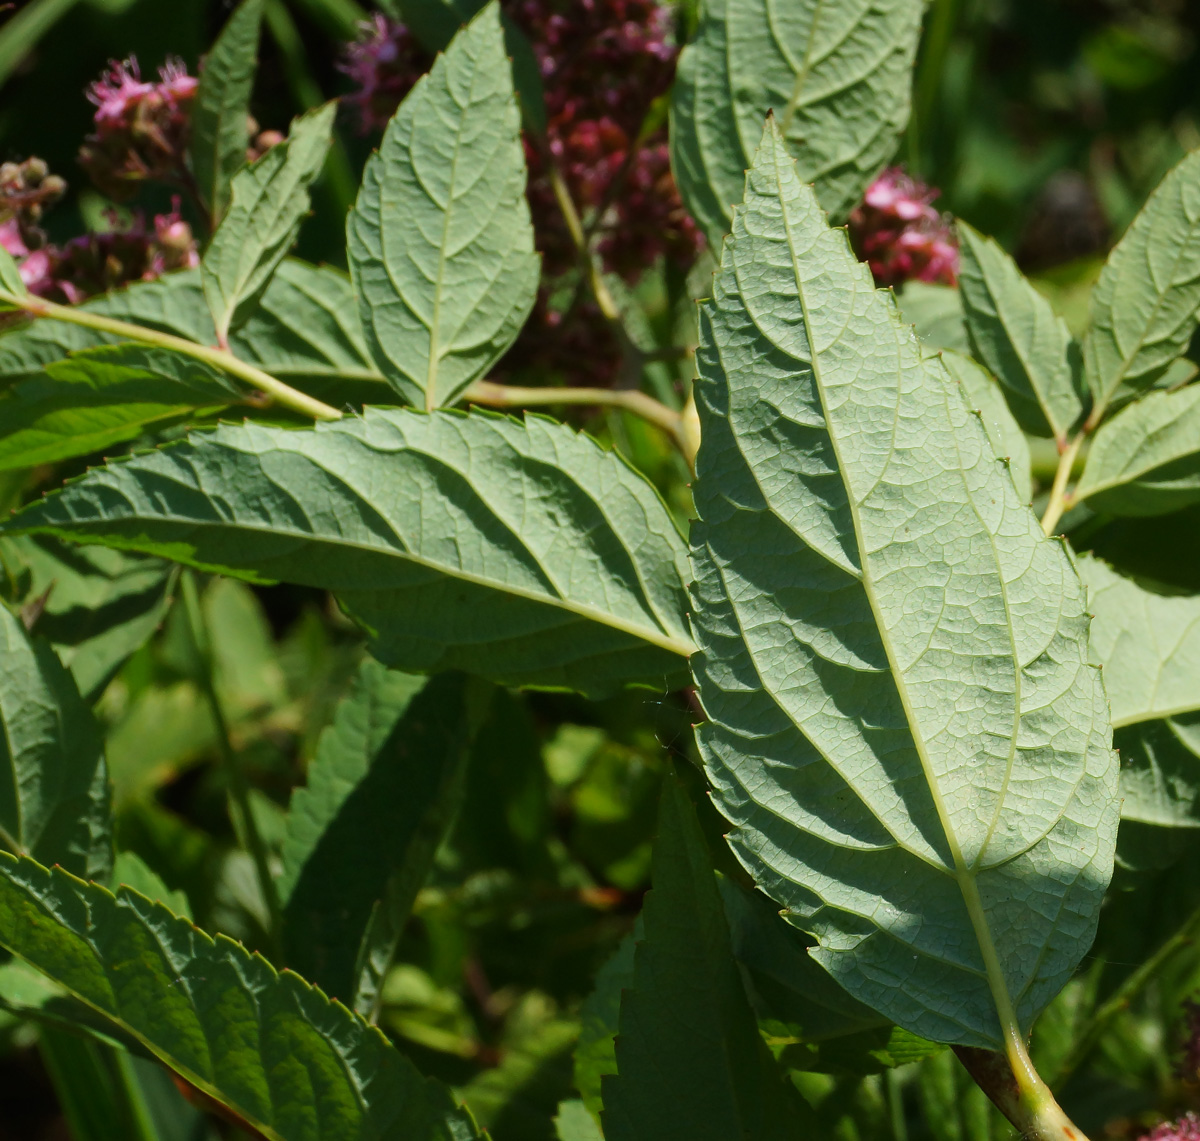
column 690, row 1063
column 361, row 836
column 1019, row 337
column 270, row 200
column 222, row 106
column 518, row 551
column 267, row 1046
column 440, row 241
column 889, row 645
column 838, row 76
column 54, row 797
column 1146, row 459
column 99, row 397
column 1144, row 305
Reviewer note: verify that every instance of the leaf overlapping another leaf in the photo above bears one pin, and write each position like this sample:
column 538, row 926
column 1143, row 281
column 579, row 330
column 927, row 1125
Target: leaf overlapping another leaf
column 1145, row 302
column 440, row 240
column 904, row 726
column 837, row 74
column 267, row 1046
column 521, row 552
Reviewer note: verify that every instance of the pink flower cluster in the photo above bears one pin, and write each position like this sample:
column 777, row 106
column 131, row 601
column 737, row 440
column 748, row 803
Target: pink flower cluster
column 383, row 64
column 94, row 263
column 1186, row 1128
column 142, row 128
column 900, row 235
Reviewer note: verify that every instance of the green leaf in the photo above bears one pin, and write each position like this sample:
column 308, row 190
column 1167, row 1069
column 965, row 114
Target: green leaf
column 10, row 277
column 362, row 835
column 54, row 798
column 1146, row 459
column 518, row 551
column 936, row 312
column 130, row 870
column 267, row 1046
column 690, row 1062
column 574, row 1123
column 222, row 106
column 1144, row 305
column 1148, row 644
column 270, row 200
column 440, row 242
column 100, row 605
column 1005, row 436
column 103, row 396
column 305, row 328
column 1160, row 771
column 904, row 727
column 838, row 76
column 1018, row 336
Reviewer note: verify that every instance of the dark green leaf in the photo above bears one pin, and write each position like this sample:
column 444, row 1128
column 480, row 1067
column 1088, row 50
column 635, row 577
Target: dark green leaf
column 99, row 397
column 361, row 835
column 269, row 1047
column 54, row 797
column 222, row 106
column 596, row 1051
column 690, row 1062
column 440, row 241
column 270, row 200
column 518, row 551
column 838, row 76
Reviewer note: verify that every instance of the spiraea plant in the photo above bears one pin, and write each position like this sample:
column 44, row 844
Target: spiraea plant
column 929, row 720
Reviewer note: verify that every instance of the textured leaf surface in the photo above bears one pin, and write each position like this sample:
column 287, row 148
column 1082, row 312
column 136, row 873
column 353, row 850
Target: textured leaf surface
column 222, row 105
column 1019, row 337
column 1003, row 432
column 270, row 200
column 936, row 312
column 838, row 76
column 100, row 605
column 305, row 326
column 1145, row 302
column 440, row 241
column 690, row 1063
column 268, row 1046
column 1160, row 771
column 1146, row 459
column 10, row 277
column 361, row 835
column 1147, row 643
column 518, row 551
column 54, row 799
column 904, row 727
column 102, row 396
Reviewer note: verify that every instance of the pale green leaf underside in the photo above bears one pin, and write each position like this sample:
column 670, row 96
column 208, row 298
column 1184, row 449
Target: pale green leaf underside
column 270, row 200
column 936, row 313
column 837, row 74
column 1160, row 771
column 362, row 833
column 10, row 276
column 1147, row 643
column 54, row 796
column 904, row 727
column 1019, row 337
column 1008, row 441
column 1146, row 459
column 440, row 242
column 1145, row 302
column 268, row 1046
column 222, row 106
column 522, row 552
column 305, row 326
column 99, row 397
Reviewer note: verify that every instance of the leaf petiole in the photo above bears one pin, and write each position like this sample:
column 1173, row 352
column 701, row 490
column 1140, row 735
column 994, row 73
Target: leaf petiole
column 282, row 394
column 1059, row 501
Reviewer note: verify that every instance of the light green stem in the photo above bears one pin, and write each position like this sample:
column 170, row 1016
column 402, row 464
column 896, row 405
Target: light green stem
column 282, row 394
column 1059, row 500
column 239, row 787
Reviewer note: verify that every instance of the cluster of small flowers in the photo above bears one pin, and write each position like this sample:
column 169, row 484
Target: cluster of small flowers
column 900, row 235
column 96, row 262
column 142, row 128
column 1186, row 1128
column 603, row 64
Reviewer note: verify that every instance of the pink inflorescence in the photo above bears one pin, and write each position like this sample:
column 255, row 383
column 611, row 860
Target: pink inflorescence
column 142, row 128
column 383, row 64
column 900, row 235
column 1186, row 1128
